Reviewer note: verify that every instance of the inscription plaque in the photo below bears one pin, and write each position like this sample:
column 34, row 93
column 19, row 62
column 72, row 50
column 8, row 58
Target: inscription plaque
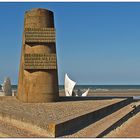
column 39, row 61
column 39, row 35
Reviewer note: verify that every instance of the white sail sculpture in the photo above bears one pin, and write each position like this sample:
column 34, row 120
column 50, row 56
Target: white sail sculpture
column 69, row 86
column 85, row 93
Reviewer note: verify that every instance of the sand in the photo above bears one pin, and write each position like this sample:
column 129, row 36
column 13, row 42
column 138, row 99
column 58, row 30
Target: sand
column 108, row 93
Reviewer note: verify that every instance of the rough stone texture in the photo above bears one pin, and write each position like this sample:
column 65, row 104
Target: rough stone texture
column 50, row 112
column 38, row 85
column 48, row 115
column 8, row 130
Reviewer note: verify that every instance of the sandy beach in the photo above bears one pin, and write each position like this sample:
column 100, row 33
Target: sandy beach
column 108, row 93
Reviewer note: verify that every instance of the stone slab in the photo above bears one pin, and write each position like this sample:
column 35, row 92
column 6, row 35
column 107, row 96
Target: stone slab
column 53, row 119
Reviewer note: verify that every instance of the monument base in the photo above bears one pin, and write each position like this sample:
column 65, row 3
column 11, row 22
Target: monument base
column 53, row 119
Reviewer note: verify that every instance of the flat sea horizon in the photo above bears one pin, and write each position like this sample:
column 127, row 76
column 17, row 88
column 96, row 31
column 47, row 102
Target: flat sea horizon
column 99, row 88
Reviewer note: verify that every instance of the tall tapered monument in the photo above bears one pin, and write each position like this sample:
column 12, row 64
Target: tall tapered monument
column 38, row 77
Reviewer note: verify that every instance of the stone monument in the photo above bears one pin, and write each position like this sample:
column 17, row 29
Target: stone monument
column 38, row 77
column 6, row 87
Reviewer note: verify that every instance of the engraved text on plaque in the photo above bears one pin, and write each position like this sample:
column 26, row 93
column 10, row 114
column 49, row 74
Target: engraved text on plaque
column 39, row 35
column 39, row 61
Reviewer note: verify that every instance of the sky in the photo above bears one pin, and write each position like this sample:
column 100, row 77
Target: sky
column 97, row 43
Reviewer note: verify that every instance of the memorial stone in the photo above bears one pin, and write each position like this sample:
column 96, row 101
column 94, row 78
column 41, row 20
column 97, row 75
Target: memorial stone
column 38, row 77
column 6, row 87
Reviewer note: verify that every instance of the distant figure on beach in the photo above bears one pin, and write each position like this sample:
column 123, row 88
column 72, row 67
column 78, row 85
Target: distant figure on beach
column 69, row 86
column 6, row 87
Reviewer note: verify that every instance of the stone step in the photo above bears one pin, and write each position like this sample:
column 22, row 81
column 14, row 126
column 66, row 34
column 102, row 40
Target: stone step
column 74, row 124
column 108, row 123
